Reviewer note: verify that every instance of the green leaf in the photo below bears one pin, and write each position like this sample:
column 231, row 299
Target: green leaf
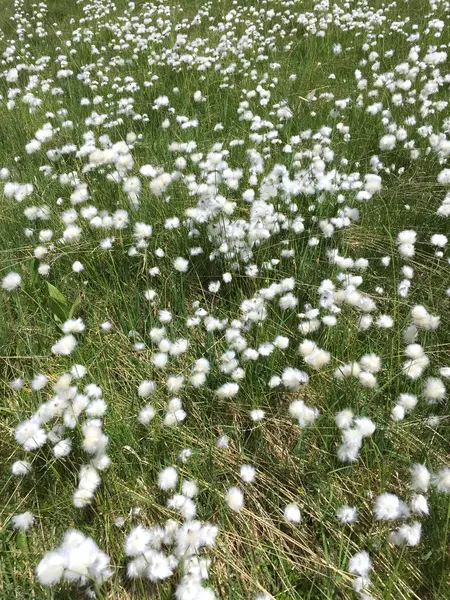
column 21, row 541
column 59, row 311
column 34, row 271
column 56, row 294
column 74, row 307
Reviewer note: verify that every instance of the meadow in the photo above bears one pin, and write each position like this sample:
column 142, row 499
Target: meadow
column 225, row 299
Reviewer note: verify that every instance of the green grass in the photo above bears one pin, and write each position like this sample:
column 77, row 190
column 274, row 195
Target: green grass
column 256, row 549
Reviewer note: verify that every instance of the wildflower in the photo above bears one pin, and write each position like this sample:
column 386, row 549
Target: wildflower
column 73, row 326
column 292, row 513
column 165, row 317
column 78, row 558
column 146, row 414
column 293, row 379
column 30, row 435
column 247, row 473
column 346, row 514
column 387, row 142
column 389, row 507
column 420, row 478
column 222, row 442
column 62, row 448
column 441, row 480
column 160, row 359
column 181, row 264
column 305, row 414
column 175, row 413
column 407, row 534
column 39, row 382
column 65, row 346
column 189, row 489
column 344, row 419
column 257, row 414
column 16, row 384
column 439, row 240
column 19, row 468
column 434, row 390
column 419, row 505
column 317, row 358
column 11, row 282
column 360, row 563
column 23, row 521
column 78, row 371
column 235, row 499
column 227, row 390
column 370, row 363
column 444, row 177
column 146, row 388
column 167, row 478
column 77, row 267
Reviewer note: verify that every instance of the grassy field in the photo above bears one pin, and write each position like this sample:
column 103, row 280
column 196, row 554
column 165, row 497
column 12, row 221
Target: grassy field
column 207, row 196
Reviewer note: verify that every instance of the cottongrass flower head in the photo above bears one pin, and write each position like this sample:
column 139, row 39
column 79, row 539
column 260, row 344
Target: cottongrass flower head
column 78, row 559
column 235, row 499
column 292, row 513
column 23, row 521
column 11, row 282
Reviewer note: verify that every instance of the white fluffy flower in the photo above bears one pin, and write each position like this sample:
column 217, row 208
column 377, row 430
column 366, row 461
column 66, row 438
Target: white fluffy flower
column 181, row 264
column 227, row 390
column 77, row 267
column 434, row 390
column 344, row 418
column 39, row 382
column 235, row 498
column 317, row 358
column 78, row 371
column 30, row 435
column 420, row 478
column 346, row 514
column 11, row 282
column 257, row 414
column 21, row 468
column 419, row 505
column 365, row 426
column 73, row 326
column 441, row 480
column 77, row 559
column 444, row 177
column 407, row 534
column 160, row 359
column 137, row 541
column 398, row 413
column 439, row 240
column 370, row 363
column 23, row 521
column 189, row 488
column 387, row 142
column 146, row 414
column 292, row 513
column 360, row 563
column 62, row 448
column 222, row 442
column 293, row 379
column 146, row 388
column 167, row 478
column 65, row 346
column 51, row 568
column 247, row 473
column 306, row 415
column 389, row 507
